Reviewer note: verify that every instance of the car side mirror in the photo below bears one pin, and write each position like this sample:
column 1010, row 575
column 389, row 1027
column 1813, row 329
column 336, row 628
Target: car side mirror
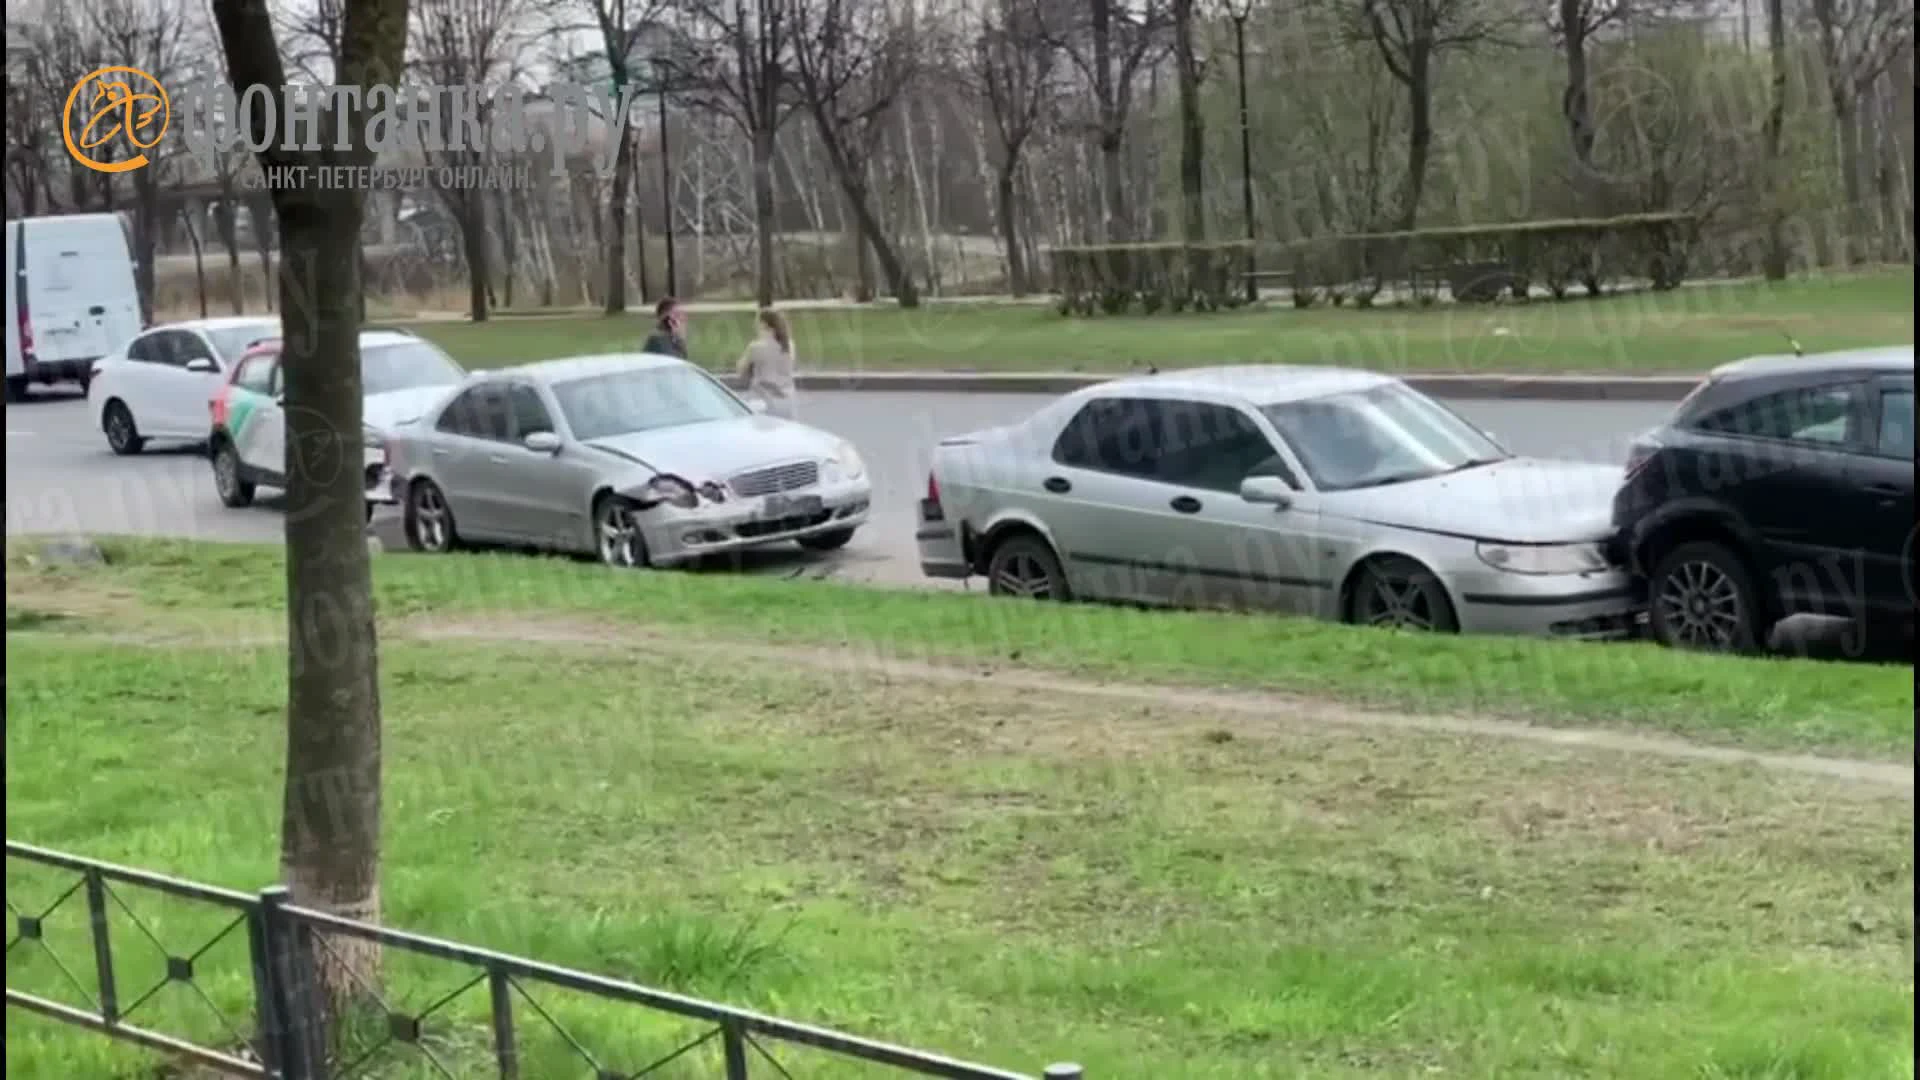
column 542, row 442
column 1270, row 490
column 203, row 364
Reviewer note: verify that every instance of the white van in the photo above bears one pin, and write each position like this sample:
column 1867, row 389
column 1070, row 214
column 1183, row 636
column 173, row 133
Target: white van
column 71, row 297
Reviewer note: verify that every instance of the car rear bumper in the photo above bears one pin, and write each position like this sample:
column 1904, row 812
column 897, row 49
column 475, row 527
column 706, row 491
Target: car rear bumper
column 943, row 551
column 1601, row 606
column 676, row 536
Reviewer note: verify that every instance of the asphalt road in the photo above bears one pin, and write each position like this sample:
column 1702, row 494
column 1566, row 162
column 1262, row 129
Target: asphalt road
column 62, row 478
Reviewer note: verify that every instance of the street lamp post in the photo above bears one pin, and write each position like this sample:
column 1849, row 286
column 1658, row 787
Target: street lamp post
column 1239, row 11
column 666, row 174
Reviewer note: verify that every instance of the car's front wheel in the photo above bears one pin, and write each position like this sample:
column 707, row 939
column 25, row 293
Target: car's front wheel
column 1701, row 597
column 616, row 533
column 123, row 437
column 1024, row 566
column 826, row 541
column 228, row 479
column 1400, row 594
column 428, row 520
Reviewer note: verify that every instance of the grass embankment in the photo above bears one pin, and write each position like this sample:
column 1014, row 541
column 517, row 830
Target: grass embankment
column 625, row 774
column 1687, row 330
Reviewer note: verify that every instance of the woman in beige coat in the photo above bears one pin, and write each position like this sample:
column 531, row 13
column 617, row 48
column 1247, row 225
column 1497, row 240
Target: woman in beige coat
column 767, row 365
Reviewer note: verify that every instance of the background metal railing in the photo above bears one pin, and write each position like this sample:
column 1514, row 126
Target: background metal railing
column 287, row 1035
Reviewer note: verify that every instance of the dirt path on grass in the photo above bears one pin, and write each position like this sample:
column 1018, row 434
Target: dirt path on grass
column 863, row 661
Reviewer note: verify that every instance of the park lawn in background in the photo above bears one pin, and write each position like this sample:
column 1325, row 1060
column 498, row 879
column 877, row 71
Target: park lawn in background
column 1687, row 330
column 990, row 872
column 1848, row 708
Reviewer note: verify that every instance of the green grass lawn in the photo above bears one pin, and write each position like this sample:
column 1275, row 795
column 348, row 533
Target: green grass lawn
column 1000, row 872
column 1857, row 709
column 1688, row 330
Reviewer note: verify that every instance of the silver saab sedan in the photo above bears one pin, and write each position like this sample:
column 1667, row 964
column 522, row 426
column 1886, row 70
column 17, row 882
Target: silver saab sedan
column 641, row 460
column 1323, row 492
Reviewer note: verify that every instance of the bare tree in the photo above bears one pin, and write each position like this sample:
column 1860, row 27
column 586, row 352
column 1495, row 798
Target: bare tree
column 1774, row 262
column 1011, row 76
column 1574, row 23
column 32, row 138
column 1193, row 148
column 628, row 31
column 736, row 60
column 330, row 826
column 853, row 59
column 474, row 43
column 1859, row 41
column 1411, row 35
column 1111, row 44
column 152, row 36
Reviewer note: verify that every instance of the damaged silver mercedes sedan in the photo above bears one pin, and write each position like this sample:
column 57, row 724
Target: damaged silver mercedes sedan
column 639, row 459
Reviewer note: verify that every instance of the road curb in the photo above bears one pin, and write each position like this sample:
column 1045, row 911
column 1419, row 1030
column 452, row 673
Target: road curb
column 1501, row 387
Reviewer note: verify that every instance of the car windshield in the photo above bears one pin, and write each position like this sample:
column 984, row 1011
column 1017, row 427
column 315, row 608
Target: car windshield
column 1385, row 435
column 645, row 399
column 231, row 341
column 405, row 365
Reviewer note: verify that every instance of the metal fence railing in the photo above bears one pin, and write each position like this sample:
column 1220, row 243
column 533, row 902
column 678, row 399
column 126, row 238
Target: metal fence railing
column 286, row 1035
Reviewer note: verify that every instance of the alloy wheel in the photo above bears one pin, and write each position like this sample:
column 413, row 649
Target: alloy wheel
column 1397, row 603
column 1701, row 605
column 621, row 544
column 432, row 521
column 1022, row 574
column 121, row 436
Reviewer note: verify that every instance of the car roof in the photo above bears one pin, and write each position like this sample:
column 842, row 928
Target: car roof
column 367, row 337
column 217, row 322
column 567, row 368
column 1887, row 358
column 1265, row 384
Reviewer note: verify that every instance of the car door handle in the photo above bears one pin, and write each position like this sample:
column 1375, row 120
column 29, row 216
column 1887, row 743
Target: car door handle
column 439, row 452
column 1058, row 485
column 1186, row 504
column 1889, row 491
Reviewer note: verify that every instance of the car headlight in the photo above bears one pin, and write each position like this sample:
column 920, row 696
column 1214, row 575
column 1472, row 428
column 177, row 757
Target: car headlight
column 1543, row 558
column 845, row 464
column 670, row 490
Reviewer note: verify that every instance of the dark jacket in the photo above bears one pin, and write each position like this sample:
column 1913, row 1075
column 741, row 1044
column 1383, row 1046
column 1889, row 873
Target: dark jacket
column 666, row 343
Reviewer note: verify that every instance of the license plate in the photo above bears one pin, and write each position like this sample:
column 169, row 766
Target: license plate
column 785, row 506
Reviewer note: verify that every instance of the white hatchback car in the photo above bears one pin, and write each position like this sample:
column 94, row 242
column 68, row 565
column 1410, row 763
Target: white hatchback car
column 156, row 386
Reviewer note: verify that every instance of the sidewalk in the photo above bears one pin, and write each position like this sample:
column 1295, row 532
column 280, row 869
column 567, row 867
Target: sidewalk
column 1642, row 388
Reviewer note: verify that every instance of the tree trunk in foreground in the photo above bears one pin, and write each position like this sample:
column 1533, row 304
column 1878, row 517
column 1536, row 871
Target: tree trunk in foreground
column 330, row 825
column 330, row 819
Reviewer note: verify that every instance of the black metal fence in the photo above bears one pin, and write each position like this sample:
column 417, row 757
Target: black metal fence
column 286, row 1037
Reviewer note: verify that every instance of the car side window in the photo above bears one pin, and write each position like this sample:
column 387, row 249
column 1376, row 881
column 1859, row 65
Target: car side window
column 190, row 346
column 1214, row 447
column 169, row 349
column 1115, row 435
column 255, row 375
column 479, row 412
column 1813, row 416
column 529, row 412
column 146, row 349
column 1896, row 423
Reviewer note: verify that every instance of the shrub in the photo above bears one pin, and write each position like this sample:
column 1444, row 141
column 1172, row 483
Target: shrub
column 1481, row 262
column 1117, row 278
